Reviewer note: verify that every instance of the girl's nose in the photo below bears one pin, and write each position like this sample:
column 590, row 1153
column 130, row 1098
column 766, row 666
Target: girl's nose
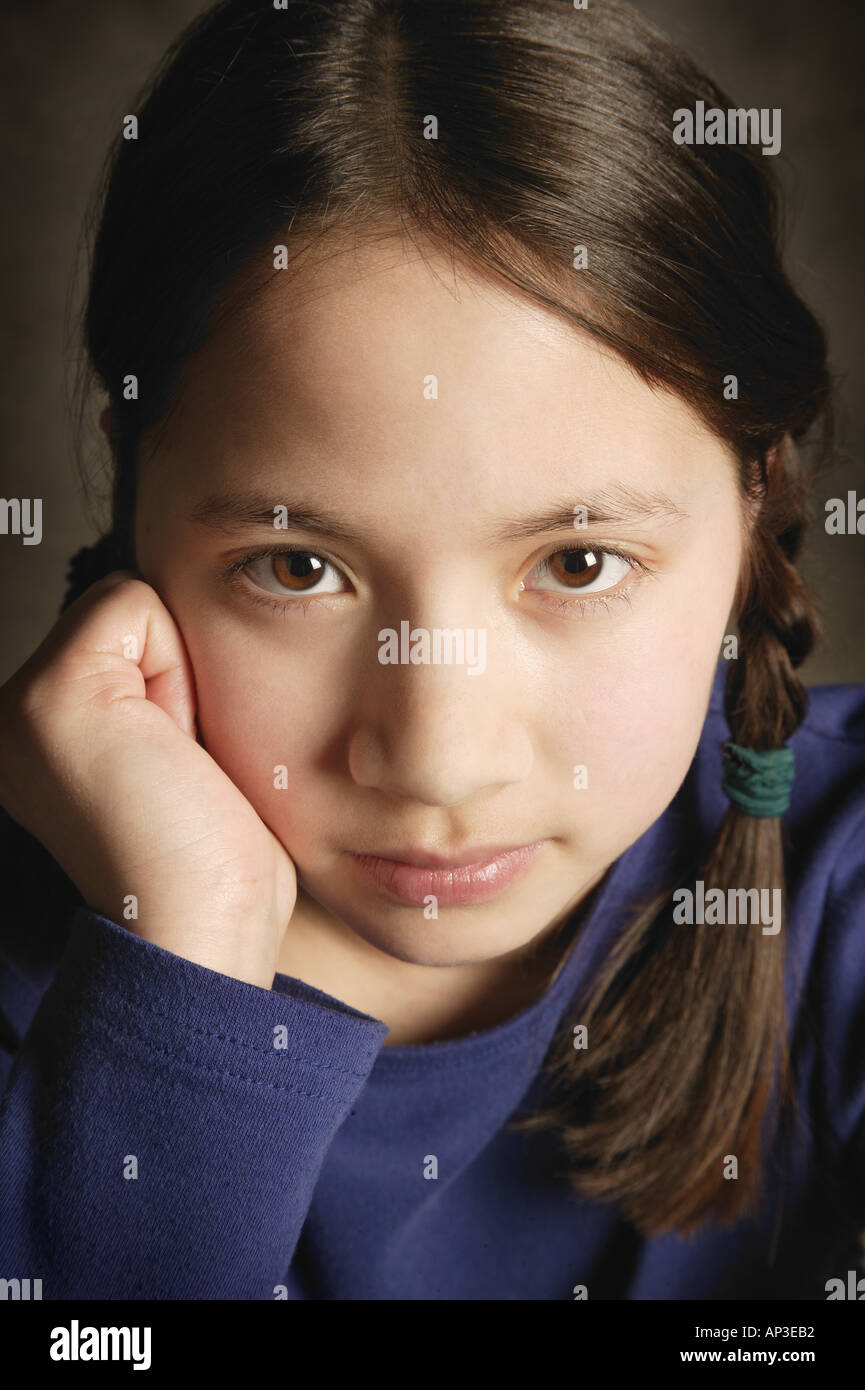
column 438, row 734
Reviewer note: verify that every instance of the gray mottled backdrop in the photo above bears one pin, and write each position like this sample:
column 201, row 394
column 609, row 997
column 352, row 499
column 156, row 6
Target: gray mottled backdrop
column 69, row 70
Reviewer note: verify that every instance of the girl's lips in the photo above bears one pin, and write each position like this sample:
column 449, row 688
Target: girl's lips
column 467, row 883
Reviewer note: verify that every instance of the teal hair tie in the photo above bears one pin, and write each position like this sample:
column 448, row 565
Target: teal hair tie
column 756, row 781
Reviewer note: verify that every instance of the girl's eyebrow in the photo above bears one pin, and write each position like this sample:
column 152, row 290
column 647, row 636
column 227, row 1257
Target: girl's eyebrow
column 231, row 512
column 617, row 504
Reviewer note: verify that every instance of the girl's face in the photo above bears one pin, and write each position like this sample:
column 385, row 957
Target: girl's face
column 429, row 436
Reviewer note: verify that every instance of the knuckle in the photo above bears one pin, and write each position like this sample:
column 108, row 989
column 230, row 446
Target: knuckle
column 120, row 583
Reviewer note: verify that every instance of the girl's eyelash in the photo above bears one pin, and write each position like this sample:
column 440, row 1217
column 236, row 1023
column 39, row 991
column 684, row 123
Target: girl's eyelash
column 575, row 606
column 265, row 551
column 233, row 573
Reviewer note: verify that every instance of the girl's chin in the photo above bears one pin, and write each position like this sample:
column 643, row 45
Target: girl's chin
column 457, row 936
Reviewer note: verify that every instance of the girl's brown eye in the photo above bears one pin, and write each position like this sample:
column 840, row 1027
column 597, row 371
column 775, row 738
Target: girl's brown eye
column 298, row 570
column 579, row 571
column 576, row 567
column 287, row 572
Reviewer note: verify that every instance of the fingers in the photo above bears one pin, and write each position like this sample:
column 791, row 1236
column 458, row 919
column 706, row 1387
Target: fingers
column 135, row 616
column 118, row 639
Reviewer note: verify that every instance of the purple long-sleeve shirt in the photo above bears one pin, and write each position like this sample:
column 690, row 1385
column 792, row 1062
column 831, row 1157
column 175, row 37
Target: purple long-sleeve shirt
column 156, row 1143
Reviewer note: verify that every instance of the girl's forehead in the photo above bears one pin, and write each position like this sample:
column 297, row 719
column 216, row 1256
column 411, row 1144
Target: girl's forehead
column 398, row 356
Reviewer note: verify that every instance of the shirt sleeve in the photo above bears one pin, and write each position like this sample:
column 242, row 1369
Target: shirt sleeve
column 163, row 1125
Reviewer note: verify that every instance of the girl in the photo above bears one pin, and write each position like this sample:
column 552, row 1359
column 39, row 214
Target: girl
column 434, row 880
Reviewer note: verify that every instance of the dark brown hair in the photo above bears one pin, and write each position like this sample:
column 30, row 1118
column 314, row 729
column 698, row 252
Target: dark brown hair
column 266, row 126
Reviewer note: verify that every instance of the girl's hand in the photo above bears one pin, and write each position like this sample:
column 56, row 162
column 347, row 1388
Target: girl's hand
column 99, row 760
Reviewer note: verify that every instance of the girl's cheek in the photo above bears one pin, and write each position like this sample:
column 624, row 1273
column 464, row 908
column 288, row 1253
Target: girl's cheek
column 630, row 719
column 269, row 721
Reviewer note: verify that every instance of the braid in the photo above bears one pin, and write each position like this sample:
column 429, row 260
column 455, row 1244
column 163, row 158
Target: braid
column 765, row 700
